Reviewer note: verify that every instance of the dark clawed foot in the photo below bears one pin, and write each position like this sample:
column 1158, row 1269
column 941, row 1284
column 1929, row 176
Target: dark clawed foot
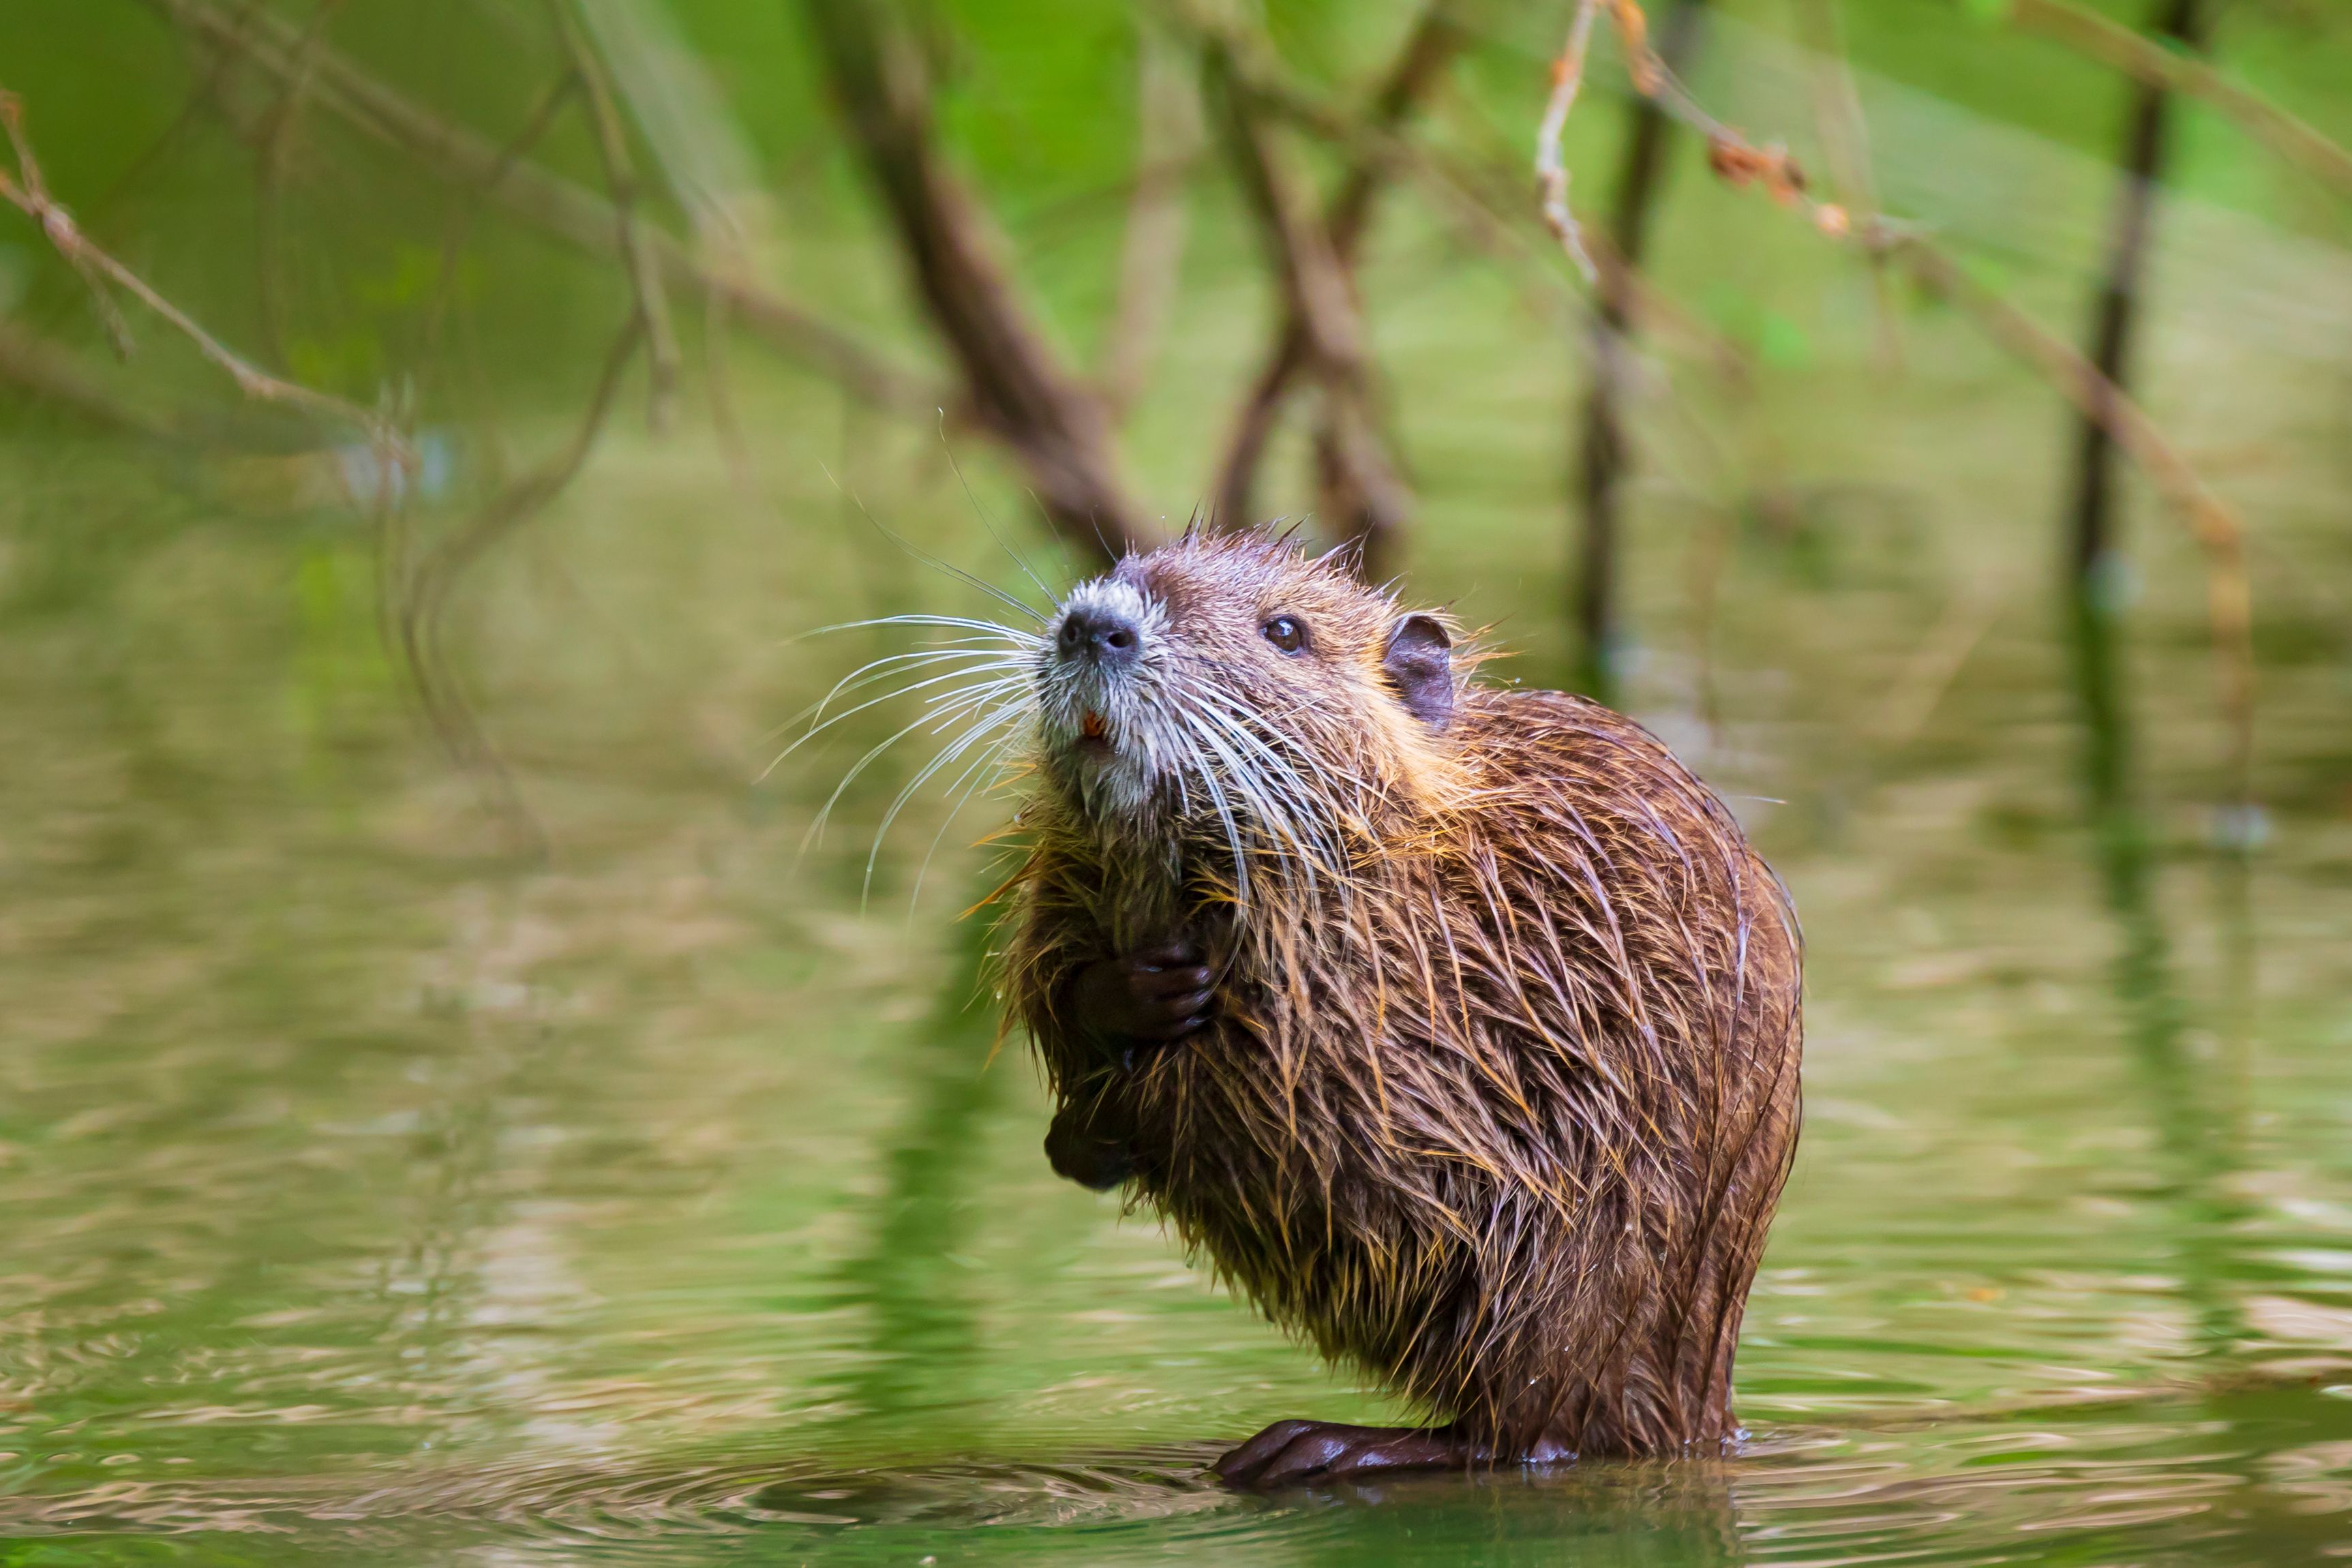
column 1290, row 1453
column 1149, row 997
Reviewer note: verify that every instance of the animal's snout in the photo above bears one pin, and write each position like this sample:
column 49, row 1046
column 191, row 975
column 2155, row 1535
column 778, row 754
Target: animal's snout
column 1101, row 636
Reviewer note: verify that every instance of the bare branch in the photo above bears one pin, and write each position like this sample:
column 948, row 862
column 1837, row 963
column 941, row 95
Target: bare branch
column 2215, row 526
column 1845, row 142
column 2111, row 44
column 1014, row 386
column 421, row 594
column 1551, row 164
column 1490, row 211
column 1322, row 332
column 630, row 232
column 1153, row 251
column 547, row 201
column 274, row 142
column 2220, row 536
column 28, row 194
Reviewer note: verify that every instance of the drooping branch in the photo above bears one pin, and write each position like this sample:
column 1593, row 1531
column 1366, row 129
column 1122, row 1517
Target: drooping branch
column 2170, row 69
column 548, row 202
column 631, row 235
column 27, row 191
column 1320, row 334
column 2219, row 534
column 1151, row 253
column 1013, row 385
column 1323, row 332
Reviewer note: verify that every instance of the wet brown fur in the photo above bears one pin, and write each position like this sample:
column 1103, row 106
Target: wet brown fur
column 1501, row 1121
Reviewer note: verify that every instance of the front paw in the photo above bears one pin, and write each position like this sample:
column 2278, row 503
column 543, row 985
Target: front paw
column 1081, row 1148
column 1153, row 996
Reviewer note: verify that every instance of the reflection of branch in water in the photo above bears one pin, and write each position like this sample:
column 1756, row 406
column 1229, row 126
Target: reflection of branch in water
column 420, row 595
column 925, row 1339
column 1684, row 1514
column 2193, row 1128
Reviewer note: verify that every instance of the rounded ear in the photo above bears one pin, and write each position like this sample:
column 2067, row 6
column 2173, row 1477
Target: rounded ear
column 1419, row 664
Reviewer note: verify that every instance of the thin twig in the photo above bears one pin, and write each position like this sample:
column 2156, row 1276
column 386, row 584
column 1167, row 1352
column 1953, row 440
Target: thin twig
column 422, row 594
column 1015, row 385
column 467, row 203
column 630, row 232
column 2219, row 534
column 272, row 141
column 1845, row 144
column 548, row 201
column 2111, row 44
column 28, row 194
column 1151, row 253
column 1486, row 193
column 1320, row 332
column 1552, row 163
column 1731, row 156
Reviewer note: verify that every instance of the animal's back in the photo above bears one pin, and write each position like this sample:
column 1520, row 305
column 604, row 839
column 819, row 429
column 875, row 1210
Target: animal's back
column 1505, row 1120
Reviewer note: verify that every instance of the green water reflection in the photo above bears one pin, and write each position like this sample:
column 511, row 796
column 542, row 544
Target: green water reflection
column 375, row 1192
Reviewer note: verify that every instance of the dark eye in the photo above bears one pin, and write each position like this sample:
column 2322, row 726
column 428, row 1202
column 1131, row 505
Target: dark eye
column 1285, row 632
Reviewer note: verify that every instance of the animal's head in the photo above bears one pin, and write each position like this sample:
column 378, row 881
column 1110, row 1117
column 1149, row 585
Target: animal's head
column 1237, row 684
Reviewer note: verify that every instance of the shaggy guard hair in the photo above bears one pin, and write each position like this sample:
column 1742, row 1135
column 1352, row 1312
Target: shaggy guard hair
column 1502, row 1089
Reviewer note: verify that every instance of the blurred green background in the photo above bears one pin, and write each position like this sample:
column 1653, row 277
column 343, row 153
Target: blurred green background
column 448, row 1113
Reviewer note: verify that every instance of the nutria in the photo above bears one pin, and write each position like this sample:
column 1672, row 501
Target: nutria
column 1456, row 1026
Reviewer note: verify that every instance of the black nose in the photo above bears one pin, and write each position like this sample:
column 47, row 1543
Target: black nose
column 1105, row 637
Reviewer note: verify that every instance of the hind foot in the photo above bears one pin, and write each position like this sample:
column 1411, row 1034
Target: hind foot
column 1290, row 1452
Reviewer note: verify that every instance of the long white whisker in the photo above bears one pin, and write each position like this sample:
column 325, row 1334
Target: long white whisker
column 846, row 714
column 1293, row 789
column 992, row 758
column 1272, row 813
column 991, row 589
column 959, row 623
column 1224, row 814
column 979, row 729
column 946, row 712
column 868, row 674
